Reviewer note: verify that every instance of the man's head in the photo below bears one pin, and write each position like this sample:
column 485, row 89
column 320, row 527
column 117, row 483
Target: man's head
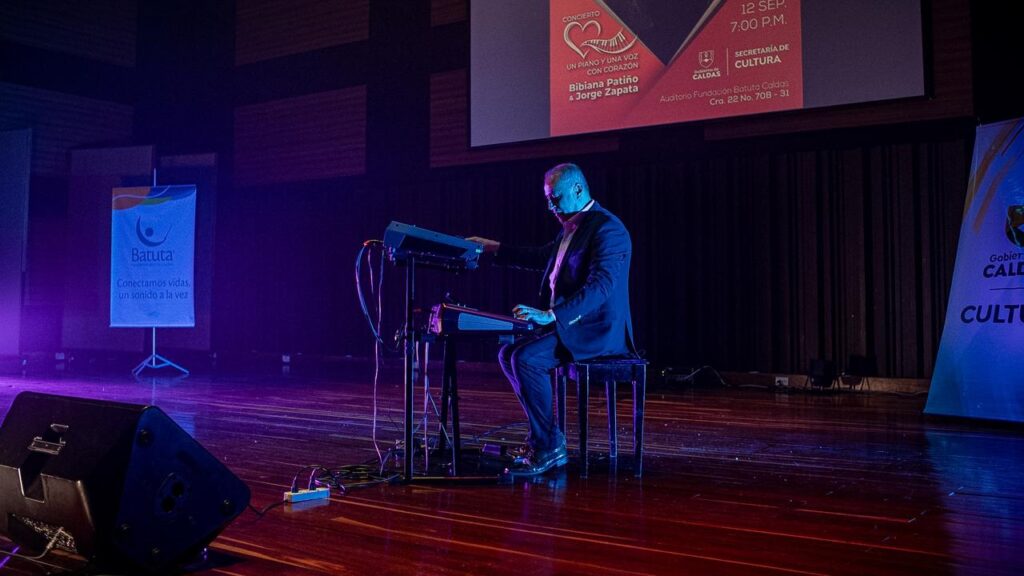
column 566, row 190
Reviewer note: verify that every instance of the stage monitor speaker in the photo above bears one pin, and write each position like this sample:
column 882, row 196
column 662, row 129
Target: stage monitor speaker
column 821, row 373
column 120, row 484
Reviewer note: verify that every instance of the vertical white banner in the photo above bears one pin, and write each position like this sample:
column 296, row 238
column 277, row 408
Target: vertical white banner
column 979, row 371
column 152, row 257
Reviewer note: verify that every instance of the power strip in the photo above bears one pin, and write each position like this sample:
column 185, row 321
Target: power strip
column 306, row 495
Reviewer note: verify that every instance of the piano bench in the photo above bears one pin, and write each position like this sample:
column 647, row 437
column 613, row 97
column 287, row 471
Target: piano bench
column 611, row 371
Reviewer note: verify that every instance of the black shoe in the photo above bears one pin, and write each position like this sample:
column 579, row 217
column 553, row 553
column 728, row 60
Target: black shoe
column 524, row 452
column 540, row 461
column 521, row 450
column 517, row 453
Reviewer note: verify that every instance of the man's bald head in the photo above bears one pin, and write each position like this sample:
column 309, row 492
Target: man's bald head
column 566, row 190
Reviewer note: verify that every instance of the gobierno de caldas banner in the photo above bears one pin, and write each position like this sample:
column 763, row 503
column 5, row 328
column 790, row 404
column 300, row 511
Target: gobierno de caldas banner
column 152, row 257
column 979, row 372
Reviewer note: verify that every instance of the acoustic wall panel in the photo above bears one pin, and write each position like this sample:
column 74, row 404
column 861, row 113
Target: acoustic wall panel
column 61, row 122
column 94, row 173
column 15, row 164
column 266, row 29
column 103, row 30
column 448, row 12
column 315, row 136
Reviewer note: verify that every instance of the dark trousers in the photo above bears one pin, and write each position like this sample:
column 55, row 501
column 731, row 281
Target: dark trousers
column 527, row 364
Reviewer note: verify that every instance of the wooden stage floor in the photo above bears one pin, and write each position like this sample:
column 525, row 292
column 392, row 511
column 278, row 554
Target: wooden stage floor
column 736, row 481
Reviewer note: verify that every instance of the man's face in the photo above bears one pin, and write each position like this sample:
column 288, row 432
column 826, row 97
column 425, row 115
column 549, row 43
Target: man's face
column 563, row 198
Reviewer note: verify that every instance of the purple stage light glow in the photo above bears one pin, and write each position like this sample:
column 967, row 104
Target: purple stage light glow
column 6, row 559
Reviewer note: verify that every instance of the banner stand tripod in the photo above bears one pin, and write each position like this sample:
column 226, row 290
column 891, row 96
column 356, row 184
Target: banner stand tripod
column 156, row 361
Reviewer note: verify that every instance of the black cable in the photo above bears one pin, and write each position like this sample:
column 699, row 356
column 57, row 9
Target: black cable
column 38, row 558
column 353, row 476
column 717, row 375
column 495, row 430
column 364, row 250
column 691, row 377
column 260, row 512
column 377, row 355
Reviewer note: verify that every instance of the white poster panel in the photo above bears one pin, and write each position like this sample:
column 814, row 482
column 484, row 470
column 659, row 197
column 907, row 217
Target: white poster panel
column 152, row 257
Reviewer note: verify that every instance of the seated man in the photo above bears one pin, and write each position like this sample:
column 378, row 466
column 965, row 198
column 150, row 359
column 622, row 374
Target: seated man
column 585, row 313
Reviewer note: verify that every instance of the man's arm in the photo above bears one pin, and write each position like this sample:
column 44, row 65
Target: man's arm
column 609, row 265
column 528, row 258
column 535, row 315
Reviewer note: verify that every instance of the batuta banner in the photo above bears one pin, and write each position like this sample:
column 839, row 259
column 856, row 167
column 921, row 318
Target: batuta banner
column 152, row 257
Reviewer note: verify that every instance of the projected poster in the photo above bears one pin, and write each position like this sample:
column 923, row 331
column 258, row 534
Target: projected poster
column 979, row 371
column 543, row 68
column 621, row 63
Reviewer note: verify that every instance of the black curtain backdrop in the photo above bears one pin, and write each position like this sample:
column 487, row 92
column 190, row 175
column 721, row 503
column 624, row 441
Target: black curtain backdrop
column 759, row 243
column 747, row 256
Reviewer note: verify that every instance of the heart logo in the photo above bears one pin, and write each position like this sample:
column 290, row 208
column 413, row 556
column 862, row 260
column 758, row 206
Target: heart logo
column 566, row 35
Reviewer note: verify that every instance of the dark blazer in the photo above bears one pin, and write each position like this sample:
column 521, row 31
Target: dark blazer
column 592, row 290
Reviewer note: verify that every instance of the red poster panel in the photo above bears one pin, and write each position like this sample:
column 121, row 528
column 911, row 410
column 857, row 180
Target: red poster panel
column 614, row 65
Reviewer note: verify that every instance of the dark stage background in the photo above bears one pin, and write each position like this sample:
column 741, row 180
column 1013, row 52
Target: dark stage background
column 759, row 243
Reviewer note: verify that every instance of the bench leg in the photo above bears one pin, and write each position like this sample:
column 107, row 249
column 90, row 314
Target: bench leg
column 613, row 441
column 560, row 383
column 583, row 394
column 639, row 394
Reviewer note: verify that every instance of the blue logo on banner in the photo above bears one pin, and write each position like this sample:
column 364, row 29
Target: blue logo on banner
column 145, row 235
column 1015, row 225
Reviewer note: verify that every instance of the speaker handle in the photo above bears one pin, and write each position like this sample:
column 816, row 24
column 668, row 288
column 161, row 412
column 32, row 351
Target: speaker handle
column 52, row 442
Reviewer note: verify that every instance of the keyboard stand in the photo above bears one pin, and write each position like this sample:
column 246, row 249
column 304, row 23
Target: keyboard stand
column 450, row 397
column 413, row 338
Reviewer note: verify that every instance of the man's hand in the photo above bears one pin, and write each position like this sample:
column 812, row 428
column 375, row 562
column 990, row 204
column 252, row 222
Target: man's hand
column 539, row 317
column 488, row 244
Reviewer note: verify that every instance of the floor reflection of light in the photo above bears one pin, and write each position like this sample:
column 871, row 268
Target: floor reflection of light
column 163, row 387
column 981, row 477
column 7, row 557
